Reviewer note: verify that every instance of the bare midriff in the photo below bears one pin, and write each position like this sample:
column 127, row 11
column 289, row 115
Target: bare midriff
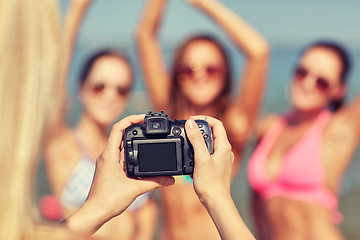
column 184, row 216
column 293, row 219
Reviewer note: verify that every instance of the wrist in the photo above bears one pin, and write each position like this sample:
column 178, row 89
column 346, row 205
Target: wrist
column 226, row 217
column 215, row 198
column 88, row 218
column 200, row 3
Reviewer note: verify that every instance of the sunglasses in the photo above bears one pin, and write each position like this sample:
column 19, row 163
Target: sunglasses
column 98, row 88
column 300, row 73
column 210, row 70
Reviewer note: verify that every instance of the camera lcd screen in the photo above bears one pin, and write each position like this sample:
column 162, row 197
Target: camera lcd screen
column 155, row 157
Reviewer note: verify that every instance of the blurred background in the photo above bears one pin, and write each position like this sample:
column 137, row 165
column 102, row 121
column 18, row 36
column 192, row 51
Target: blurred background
column 288, row 26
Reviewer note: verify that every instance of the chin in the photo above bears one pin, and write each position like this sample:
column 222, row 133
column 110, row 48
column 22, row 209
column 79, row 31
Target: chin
column 202, row 100
column 106, row 120
column 307, row 106
column 103, row 123
column 200, row 103
column 307, row 103
column 108, row 117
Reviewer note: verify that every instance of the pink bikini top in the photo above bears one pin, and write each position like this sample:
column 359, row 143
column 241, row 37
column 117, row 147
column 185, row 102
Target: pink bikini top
column 302, row 174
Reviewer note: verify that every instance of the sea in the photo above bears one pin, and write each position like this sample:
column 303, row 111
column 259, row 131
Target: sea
column 276, row 100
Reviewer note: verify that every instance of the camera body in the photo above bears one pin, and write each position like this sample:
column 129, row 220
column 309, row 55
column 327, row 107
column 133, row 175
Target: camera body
column 160, row 147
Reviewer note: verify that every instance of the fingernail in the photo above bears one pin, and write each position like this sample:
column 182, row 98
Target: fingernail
column 169, row 181
column 191, row 123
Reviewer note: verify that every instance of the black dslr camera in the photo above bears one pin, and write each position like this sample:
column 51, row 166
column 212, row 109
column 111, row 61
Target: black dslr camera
column 160, row 147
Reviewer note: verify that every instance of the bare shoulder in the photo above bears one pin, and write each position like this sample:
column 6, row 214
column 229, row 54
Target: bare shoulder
column 236, row 119
column 60, row 155
column 264, row 125
column 238, row 122
column 61, row 145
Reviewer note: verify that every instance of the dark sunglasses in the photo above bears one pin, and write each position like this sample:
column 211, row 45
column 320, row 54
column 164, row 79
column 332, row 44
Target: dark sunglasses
column 301, row 73
column 211, row 70
column 98, row 88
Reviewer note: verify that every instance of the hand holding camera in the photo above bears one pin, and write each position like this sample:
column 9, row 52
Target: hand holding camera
column 212, row 176
column 160, row 147
column 212, row 173
column 111, row 190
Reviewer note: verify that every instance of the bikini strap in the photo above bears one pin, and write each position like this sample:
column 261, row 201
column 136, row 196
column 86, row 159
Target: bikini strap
column 274, row 130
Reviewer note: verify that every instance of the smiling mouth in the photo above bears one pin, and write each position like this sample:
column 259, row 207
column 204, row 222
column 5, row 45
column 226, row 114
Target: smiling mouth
column 106, row 107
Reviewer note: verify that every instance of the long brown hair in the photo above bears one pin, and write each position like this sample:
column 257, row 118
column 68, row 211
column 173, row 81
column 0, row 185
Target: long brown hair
column 91, row 60
column 180, row 103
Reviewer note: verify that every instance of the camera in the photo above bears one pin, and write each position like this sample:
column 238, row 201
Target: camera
column 160, row 147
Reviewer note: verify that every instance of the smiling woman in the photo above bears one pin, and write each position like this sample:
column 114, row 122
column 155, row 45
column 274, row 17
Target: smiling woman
column 297, row 167
column 320, row 68
column 200, row 83
column 105, row 82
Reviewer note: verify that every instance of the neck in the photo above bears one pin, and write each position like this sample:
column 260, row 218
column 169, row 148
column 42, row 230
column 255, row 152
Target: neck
column 92, row 129
column 299, row 116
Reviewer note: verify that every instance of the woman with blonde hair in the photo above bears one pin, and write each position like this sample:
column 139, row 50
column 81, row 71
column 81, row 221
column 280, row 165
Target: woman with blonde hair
column 31, row 75
column 29, row 65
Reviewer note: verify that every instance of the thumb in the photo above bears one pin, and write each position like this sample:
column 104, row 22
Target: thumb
column 196, row 139
column 151, row 183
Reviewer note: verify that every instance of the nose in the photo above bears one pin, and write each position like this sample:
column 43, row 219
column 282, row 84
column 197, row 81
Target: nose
column 309, row 82
column 200, row 75
column 110, row 94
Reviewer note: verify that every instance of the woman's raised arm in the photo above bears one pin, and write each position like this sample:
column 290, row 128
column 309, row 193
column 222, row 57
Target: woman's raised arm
column 255, row 48
column 243, row 110
column 151, row 58
column 344, row 132
column 73, row 18
column 351, row 117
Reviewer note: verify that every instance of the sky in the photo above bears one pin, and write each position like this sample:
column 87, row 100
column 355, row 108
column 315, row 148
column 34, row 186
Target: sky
column 284, row 23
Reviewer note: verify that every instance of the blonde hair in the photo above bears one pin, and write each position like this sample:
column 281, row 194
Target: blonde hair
column 30, row 72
